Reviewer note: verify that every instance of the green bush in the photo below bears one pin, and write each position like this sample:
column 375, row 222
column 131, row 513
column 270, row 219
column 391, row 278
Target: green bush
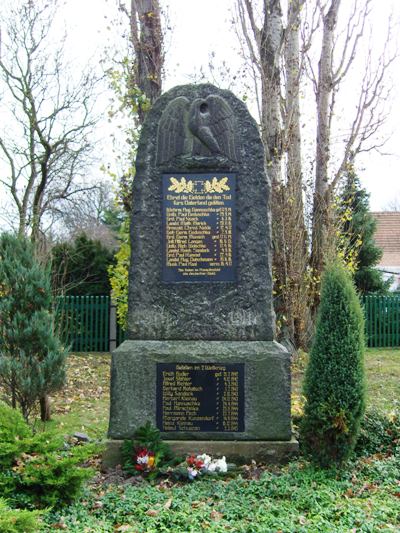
column 32, row 359
column 379, row 433
column 334, row 380
column 13, row 431
column 8, row 484
column 16, row 437
column 80, row 267
column 37, row 469
column 297, row 498
column 53, row 479
column 17, row 520
column 118, row 273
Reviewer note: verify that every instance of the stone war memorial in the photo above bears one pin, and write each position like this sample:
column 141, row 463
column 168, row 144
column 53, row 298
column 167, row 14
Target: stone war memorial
column 200, row 362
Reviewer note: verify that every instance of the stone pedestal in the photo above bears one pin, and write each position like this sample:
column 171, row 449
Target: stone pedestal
column 266, row 394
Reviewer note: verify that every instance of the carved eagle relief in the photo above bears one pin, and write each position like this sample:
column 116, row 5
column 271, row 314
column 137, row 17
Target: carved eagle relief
column 204, row 127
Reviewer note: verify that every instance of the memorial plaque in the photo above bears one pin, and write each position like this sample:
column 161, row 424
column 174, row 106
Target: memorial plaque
column 200, row 397
column 198, row 227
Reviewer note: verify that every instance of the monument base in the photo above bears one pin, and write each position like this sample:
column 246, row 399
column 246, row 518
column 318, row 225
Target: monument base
column 237, row 452
column 254, row 406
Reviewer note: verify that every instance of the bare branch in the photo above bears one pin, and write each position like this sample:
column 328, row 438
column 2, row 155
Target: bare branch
column 255, row 63
column 52, row 115
column 370, row 112
column 346, row 62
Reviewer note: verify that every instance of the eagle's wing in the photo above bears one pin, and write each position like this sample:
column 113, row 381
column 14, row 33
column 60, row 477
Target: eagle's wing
column 223, row 126
column 171, row 135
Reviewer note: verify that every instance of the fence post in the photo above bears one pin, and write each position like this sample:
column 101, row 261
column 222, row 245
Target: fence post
column 113, row 325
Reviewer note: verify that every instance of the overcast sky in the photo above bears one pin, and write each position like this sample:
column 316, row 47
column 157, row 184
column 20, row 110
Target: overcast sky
column 200, row 28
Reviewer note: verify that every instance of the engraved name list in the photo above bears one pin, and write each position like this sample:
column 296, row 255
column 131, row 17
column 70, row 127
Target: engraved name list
column 200, row 397
column 199, row 227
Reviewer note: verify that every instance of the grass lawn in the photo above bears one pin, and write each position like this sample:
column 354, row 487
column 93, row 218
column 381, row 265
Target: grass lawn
column 294, row 498
column 83, row 404
column 383, row 378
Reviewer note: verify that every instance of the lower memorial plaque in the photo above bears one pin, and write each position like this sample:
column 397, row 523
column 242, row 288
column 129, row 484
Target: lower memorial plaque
column 200, row 397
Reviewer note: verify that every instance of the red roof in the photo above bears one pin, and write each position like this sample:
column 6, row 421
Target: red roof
column 387, row 237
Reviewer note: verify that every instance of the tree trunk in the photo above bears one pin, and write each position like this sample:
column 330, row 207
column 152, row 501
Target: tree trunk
column 146, row 37
column 22, row 225
column 270, row 46
column 296, row 235
column 279, row 52
column 281, row 135
column 324, row 98
column 292, row 118
column 269, row 40
column 13, row 392
column 45, row 412
column 146, row 71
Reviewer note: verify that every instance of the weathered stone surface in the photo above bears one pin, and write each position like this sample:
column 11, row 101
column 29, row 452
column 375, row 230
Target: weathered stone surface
column 238, row 452
column 266, row 386
column 206, row 132
column 215, row 311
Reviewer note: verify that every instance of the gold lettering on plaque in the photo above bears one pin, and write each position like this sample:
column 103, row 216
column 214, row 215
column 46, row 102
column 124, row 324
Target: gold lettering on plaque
column 187, row 406
column 198, row 234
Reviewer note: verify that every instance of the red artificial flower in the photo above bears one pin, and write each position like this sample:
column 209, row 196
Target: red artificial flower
column 141, row 452
column 194, row 462
column 144, row 458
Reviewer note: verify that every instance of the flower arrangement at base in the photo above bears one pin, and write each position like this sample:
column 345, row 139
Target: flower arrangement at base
column 149, row 456
column 145, row 460
column 146, row 454
column 204, row 464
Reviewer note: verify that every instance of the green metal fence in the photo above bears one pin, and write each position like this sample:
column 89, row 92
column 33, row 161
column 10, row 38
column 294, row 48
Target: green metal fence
column 87, row 323
column 382, row 321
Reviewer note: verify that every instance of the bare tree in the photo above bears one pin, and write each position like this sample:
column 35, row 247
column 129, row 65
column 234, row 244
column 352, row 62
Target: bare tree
column 338, row 54
column 88, row 213
column 141, row 79
column 45, row 138
column 137, row 82
column 45, row 141
column 272, row 46
column 146, row 39
column 281, row 47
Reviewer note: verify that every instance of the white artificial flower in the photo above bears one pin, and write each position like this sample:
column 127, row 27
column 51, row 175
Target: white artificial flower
column 206, row 459
column 220, row 465
column 217, row 465
column 211, row 467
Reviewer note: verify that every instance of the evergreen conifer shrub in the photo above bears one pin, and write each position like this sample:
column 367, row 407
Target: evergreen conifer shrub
column 334, row 380
column 81, row 267
column 13, row 429
column 358, row 229
column 39, row 469
column 32, row 359
column 18, row 520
